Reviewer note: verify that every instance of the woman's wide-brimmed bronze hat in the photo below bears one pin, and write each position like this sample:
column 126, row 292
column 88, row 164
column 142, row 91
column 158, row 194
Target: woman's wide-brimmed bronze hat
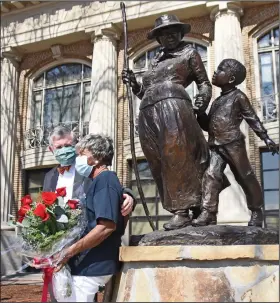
column 167, row 21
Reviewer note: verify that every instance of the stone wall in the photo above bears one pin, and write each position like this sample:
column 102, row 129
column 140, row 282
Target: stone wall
column 199, row 274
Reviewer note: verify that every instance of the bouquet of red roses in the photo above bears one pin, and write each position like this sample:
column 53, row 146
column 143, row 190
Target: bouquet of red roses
column 49, row 224
column 46, row 227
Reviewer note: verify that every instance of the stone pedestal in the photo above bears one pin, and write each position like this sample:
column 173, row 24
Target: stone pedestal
column 198, row 274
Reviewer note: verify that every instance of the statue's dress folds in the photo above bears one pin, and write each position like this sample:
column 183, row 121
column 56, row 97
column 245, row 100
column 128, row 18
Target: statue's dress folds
column 170, row 136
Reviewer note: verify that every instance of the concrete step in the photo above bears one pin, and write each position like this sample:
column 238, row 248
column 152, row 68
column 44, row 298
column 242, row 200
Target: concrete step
column 25, row 278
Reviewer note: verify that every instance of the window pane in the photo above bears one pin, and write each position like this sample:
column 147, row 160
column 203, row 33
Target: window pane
column 64, row 73
column 202, row 50
column 86, row 103
column 139, row 209
column 149, row 189
column 144, row 171
column 87, row 72
column 266, row 73
column 140, row 62
column 276, row 36
column 62, row 105
column 264, row 41
column 161, row 210
column 267, row 86
column 269, row 161
column 271, row 200
column 35, row 181
column 136, row 104
column 271, row 179
column 151, row 54
column 272, row 221
column 39, row 82
column 140, row 227
column 277, row 69
column 37, row 98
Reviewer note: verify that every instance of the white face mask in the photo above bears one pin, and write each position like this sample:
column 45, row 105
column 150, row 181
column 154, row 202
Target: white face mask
column 82, row 166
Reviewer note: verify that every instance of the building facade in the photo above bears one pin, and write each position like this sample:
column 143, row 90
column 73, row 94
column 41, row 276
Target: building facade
column 61, row 62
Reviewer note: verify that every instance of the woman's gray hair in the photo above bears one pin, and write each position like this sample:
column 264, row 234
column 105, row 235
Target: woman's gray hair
column 100, row 146
column 62, row 131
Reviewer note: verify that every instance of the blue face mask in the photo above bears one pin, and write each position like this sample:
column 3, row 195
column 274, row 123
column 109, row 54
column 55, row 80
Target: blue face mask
column 65, row 155
column 82, row 166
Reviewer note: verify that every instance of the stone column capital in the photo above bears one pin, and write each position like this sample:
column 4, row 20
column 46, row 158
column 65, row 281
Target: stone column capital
column 225, row 8
column 11, row 56
column 111, row 34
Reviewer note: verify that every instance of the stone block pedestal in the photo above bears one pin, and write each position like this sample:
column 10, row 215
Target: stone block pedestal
column 184, row 273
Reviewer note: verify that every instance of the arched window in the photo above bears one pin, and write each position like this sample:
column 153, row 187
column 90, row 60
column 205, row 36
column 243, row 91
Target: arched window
column 142, row 62
column 268, row 53
column 60, row 95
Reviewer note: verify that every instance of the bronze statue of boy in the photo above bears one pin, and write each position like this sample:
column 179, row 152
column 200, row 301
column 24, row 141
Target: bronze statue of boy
column 227, row 144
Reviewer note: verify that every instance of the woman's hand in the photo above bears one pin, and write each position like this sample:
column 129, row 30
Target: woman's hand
column 128, row 76
column 66, row 255
column 127, row 205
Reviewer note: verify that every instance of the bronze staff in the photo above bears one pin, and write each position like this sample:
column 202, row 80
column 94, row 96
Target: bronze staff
column 131, row 122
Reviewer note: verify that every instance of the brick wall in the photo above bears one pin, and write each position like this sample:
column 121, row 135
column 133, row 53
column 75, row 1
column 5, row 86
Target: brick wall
column 29, row 65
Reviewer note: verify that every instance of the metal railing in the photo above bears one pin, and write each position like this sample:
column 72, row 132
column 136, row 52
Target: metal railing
column 39, row 136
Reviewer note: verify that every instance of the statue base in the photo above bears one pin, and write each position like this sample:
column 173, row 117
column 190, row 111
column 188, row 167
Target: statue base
column 233, row 273
column 201, row 264
column 209, row 235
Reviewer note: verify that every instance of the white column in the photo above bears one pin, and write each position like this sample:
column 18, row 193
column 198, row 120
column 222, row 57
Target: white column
column 228, row 44
column 9, row 100
column 103, row 93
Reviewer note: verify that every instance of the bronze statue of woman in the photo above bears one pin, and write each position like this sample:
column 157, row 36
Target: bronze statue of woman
column 171, row 138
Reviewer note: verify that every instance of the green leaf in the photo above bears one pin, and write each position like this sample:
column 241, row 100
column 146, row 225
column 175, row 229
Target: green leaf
column 59, row 211
column 61, row 202
column 26, row 222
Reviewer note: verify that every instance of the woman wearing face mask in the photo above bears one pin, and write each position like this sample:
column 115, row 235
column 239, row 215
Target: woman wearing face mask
column 170, row 136
column 94, row 258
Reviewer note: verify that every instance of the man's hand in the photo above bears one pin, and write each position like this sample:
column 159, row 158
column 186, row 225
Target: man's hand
column 271, row 145
column 127, row 205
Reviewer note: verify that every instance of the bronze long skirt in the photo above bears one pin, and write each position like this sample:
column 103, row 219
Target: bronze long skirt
column 176, row 150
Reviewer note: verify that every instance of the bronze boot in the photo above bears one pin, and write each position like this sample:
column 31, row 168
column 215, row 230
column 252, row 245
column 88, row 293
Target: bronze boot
column 256, row 218
column 205, row 218
column 179, row 220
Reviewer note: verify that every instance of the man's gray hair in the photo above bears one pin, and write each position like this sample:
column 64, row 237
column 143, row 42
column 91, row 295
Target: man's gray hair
column 100, row 146
column 62, row 131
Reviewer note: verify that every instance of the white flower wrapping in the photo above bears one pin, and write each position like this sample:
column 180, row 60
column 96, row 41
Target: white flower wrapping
column 62, row 284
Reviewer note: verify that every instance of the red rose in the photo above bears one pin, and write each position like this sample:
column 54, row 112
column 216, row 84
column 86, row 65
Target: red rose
column 73, row 204
column 20, row 219
column 41, row 212
column 61, row 191
column 26, row 200
column 23, row 210
column 49, row 197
